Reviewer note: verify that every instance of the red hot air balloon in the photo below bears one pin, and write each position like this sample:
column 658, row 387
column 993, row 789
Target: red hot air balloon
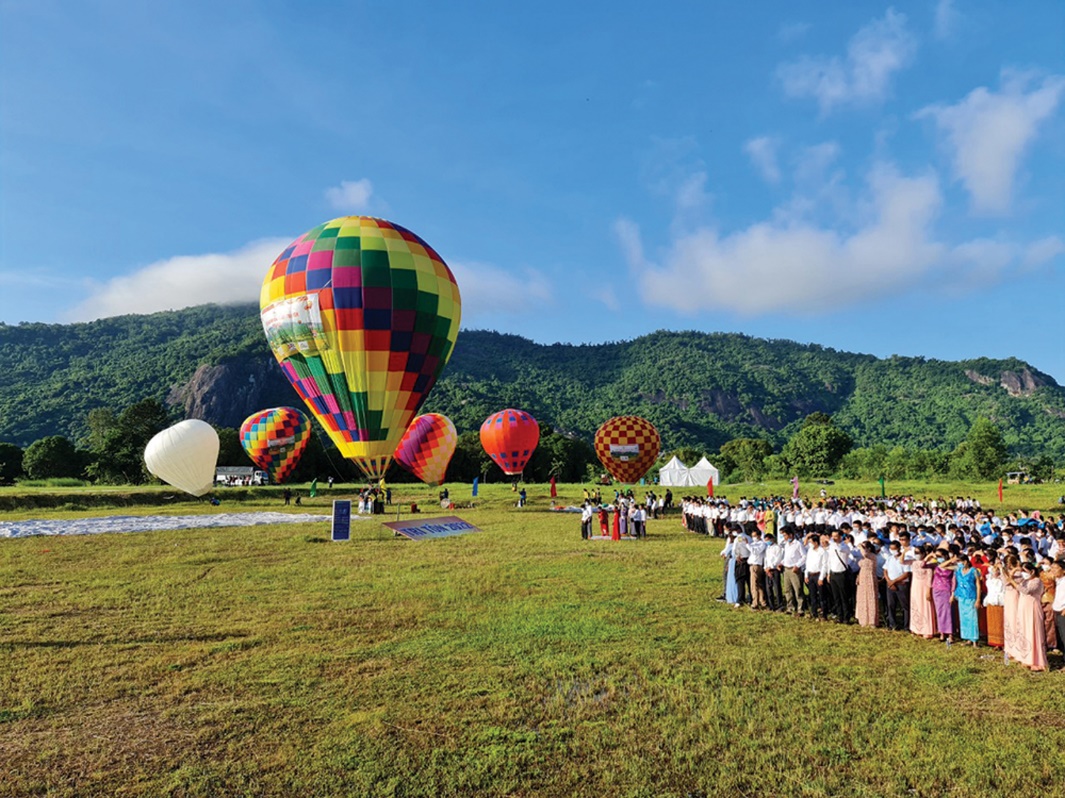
column 627, row 446
column 510, row 437
column 427, row 447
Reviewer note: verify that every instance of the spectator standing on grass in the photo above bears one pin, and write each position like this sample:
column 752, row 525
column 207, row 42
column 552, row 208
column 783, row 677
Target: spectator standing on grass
column 286, row 494
column 794, row 570
column 943, row 592
column 815, row 585
column 756, row 570
column 835, row 576
column 741, row 550
column 586, row 519
column 774, row 558
column 897, row 580
column 967, row 598
column 1057, row 570
column 865, row 604
column 1031, row 635
column 993, row 604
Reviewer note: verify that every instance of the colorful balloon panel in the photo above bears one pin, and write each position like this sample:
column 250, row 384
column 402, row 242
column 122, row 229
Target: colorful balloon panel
column 362, row 315
column 185, row 456
column 275, row 440
column 427, row 447
column 627, row 446
column 509, row 437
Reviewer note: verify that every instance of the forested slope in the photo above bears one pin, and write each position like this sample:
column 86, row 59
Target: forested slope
column 699, row 389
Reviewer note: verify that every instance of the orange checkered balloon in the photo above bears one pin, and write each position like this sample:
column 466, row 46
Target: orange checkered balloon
column 627, row 446
column 427, row 447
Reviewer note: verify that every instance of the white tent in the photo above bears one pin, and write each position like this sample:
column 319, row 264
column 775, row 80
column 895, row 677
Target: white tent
column 702, row 472
column 674, row 474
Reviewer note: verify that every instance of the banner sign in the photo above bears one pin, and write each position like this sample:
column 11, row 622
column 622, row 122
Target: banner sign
column 624, row 451
column 341, row 519
column 432, row 527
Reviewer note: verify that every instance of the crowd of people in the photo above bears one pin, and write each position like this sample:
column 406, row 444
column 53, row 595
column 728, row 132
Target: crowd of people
column 626, row 517
column 942, row 570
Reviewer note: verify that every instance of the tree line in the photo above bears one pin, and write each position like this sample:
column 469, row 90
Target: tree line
column 112, row 453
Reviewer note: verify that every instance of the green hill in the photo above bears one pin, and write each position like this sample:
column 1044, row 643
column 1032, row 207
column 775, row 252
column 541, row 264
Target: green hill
column 699, row 389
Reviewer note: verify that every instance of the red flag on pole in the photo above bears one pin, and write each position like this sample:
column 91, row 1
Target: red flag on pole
column 1000, row 490
column 554, row 489
column 710, row 487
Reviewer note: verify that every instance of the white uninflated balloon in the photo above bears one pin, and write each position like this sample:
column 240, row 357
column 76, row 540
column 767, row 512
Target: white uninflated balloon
column 184, row 456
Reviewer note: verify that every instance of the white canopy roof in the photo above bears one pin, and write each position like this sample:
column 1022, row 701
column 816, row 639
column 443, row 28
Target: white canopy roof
column 702, row 472
column 674, row 474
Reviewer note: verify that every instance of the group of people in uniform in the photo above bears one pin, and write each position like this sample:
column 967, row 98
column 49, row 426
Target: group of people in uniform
column 940, row 569
column 626, row 517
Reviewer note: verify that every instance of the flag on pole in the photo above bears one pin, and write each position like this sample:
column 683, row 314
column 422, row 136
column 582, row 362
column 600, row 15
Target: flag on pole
column 554, row 490
column 475, row 481
column 1000, row 491
column 710, row 487
column 794, row 487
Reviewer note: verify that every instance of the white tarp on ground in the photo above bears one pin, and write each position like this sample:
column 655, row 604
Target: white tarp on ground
column 674, row 474
column 702, row 472
column 152, row 523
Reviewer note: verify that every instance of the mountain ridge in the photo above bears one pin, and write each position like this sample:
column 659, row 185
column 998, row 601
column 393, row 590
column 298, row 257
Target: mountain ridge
column 699, row 389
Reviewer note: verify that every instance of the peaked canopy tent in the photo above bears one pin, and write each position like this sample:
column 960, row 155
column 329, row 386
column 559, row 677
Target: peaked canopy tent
column 702, row 472
column 674, row 474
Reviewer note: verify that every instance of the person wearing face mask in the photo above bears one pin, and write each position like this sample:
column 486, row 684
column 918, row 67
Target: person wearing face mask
column 1057, row 570
column 1030, row 632
column 993, row 604
column 897, row 577
column 967, row 598
column 922, row 611
column 943, row 592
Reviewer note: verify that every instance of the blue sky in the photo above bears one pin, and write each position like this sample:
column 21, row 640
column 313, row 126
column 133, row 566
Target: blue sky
column 874, row 178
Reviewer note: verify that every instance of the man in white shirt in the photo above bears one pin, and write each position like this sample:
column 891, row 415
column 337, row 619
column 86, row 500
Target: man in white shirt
column 1057, row 570
column 815, row 566
column 586, row 519
column 897, row 580
column 741, row 550
column 774, row 556
column 835, row 576
column 756, row 568
column 793, row 563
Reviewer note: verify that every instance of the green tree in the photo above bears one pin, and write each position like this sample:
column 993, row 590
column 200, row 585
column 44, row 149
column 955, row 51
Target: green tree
column 120, row 458
column 230, row 450
column 817, row 449
column 10, row 463
column 749, row 455
column 983, row 453
column 54, row 456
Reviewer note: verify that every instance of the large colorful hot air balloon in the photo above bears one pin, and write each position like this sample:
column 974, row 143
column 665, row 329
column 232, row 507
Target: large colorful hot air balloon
column 185, row 456
column 627, row 446
column 427, row 447
column 510, row 437
column 275, row 439
column 362, row 315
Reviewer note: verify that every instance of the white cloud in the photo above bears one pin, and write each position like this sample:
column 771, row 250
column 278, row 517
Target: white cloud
column 351, row 196
column 945, row 19
column 763, row 154
column 874, row 54
column 792, row 264
column 182, row 282
column 489, row 292
column 796, row 266
column 988, row 132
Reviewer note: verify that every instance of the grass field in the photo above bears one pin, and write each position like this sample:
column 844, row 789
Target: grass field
column 518, row 661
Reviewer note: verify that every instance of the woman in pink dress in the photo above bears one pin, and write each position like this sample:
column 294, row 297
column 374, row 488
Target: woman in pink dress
column 1031, row 633
column 922, row 613
column 1010, row 597
column 943, row 593
column 865, row 605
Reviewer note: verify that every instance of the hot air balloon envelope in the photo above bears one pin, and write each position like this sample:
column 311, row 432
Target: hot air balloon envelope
column 427, row 447
column 275, row 439
column 509, row 437
column 627, row 446
column 362, row 315
column 184, row 456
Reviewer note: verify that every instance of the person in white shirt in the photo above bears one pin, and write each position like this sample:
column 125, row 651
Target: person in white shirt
column 1057, row 570
column 756, row 569
column 836, row 576
column 897, row 579
column 774, row 556
column 793, row 563
column 741, row 550
column 586, row 519
column 815, row 586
